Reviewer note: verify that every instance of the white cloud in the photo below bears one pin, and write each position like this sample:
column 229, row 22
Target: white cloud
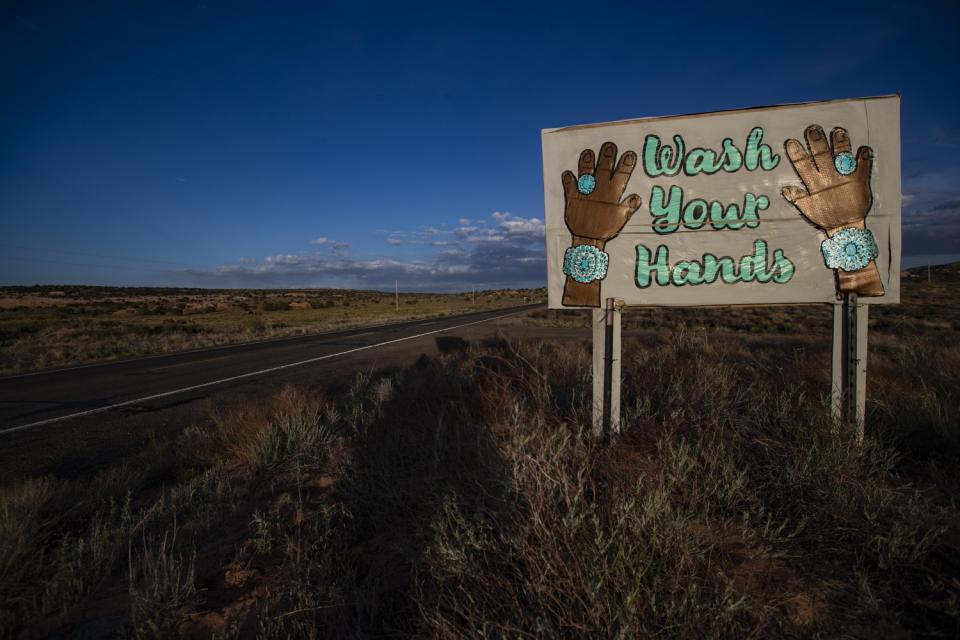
column 503, row 250
column 506, row 228
column 523, row 226
column 335, row 245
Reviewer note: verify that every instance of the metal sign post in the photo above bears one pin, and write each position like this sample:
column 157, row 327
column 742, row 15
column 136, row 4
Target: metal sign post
column 850, row 363
column 606, row 369
column 850, row 359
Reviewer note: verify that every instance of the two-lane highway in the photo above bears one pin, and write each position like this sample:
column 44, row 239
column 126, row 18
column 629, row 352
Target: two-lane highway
column 66, row 412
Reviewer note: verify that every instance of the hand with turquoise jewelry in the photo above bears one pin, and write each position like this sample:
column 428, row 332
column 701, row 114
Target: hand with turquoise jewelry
column 594, row 214
column 836, row 197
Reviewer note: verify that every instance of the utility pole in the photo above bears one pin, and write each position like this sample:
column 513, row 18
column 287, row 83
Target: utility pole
column 474, row 294
column 396, row 293
column 929, row 276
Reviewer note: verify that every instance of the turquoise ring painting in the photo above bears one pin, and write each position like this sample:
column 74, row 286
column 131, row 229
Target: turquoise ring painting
column 850, row 249
column 586, row 184
column 845, row 163
column 585, row 263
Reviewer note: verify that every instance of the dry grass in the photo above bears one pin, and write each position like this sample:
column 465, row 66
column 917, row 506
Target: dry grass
column 463, row 497
column 161, row 587
column 46, row 326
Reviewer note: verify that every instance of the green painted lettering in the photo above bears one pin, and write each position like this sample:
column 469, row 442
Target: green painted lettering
column 666, row 211
column 758, row 153
column 662, row 161
column 750, row 267
column 687, row 272
column 732, row 158
column 695, row 213
column 645, row 265
column 784, row 267
column 728, row 218
column 666, row 217
column 701, row 161
column 752, row 205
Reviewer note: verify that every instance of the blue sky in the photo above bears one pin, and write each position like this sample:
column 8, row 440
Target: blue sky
column 273, row 144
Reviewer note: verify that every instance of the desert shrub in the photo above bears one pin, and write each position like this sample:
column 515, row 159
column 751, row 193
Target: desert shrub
column 82, row 561
column 22, row 512
column 294, row 425
column 272, row 304
column 730, row 506
column 162, row 584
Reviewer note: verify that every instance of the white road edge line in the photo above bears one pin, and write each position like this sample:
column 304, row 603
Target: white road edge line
column 247, row 375
column 219, row 347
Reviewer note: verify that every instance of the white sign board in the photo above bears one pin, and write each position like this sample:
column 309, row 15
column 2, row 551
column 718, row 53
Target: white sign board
column 776, row 205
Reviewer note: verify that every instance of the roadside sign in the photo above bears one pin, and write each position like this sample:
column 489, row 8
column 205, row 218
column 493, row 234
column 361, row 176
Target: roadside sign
column 777, row 205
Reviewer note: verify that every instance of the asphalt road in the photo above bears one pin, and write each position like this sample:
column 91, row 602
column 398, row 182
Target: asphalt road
column 70, row 422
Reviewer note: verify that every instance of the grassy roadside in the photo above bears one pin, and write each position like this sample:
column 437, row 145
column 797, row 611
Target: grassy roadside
column 927, row 309
column 48, row 326
column 462, row 497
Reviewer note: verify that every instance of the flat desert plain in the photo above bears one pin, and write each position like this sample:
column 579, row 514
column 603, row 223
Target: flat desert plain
column 463, row 495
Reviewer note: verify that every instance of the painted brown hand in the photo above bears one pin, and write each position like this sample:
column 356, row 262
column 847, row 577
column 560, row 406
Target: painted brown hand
column 594, row 211
column 600, row 215
column 836, row 195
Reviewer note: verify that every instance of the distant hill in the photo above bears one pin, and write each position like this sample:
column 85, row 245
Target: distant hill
column 949, row 271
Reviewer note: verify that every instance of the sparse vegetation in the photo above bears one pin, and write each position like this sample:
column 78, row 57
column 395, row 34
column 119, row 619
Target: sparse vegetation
column 463, row 497
column 49, row 326
column 161, row 587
